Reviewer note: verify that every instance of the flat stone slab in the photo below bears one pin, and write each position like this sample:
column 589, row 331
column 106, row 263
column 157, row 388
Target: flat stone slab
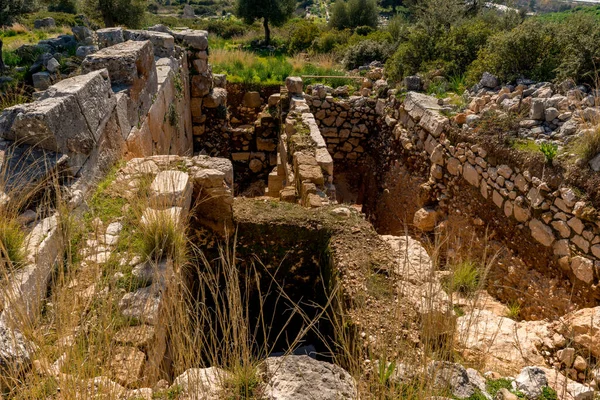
column 171, row 189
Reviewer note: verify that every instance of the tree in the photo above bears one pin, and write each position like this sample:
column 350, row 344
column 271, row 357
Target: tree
column 339, row 16
column 9, row 9
column 363, row 13
column 274, row 12
column 118, row 12
column 353, row 14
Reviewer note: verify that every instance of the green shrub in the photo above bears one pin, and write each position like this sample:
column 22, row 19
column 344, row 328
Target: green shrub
column 549, row 150
column 226, row 28
column 529, row 50
column 514, row 311
column 302, row 36
column 579, row 38
column 366, row 52
column 61, row 18
column 65, row 6
column 330, row 40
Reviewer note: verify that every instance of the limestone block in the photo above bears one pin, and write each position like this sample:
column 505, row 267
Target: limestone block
column 131, row 67
column 252, row 100
column 163, row 43
column 425, row 219
column 470, row 174
column 583, row 269
column 217, row 97
column 171, row 189
column 94, row 97
column 109, row 36
column 127, row 365
column 195, row 39
column 294, row 85
column 41, row 80
column 201, row 85
column 83, row 51
column 541, row 232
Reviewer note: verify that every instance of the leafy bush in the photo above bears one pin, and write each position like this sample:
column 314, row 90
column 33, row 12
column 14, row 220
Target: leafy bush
column 226, row 28
column 65, row 6
column 366, row 52
column 530, row 50
column 302, row 36
column 579, row 38
column 61, row 18
column 118, row 12
column 330, row 40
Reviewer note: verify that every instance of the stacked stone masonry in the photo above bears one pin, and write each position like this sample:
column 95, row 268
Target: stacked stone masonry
column 556, row 218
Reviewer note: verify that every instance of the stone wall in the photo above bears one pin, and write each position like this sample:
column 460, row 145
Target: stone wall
column 560, row 222
column 304, row 170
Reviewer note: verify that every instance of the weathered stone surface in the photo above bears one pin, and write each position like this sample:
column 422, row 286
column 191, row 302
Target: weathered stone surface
column 216, row 98
column 41, row 80
column 140, row 336
column 109, row 36
column 583, row 327
column 583, row 268
column 470, row 174
column 531, row 381
column 541, row 232
column 127, row 365
column 294, row 85
column 304, row 378
column 83, row 51
column 450, row 376
column 142, row 304
column 131, row 67
column 502, row 344
column 202, row 383
column 412, row 261
column 425, row 219
column 252, row 100
column 195, row 39
column 163, row 43
column 94, row 97
column 171, row 189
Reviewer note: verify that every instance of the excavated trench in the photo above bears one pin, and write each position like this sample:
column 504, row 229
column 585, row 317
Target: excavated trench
column 390, row 188
column 283, row 276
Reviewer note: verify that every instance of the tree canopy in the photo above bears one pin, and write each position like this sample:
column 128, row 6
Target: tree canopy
column 354, row 13
column 118, row 12
column 274, row 12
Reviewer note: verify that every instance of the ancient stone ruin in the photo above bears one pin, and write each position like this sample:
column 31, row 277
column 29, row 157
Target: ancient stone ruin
column 345, row 208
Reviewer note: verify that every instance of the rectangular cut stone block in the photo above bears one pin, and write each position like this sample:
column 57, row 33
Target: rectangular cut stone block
column 163, row 43
column 109, row 37
column 94, row 96
column 275, row 184
column 68, row 118
column 195, row 39
column 131, row 68
column 171, row 189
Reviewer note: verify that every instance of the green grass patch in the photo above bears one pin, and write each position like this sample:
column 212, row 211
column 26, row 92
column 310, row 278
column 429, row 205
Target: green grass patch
column 465, row 277
column 526, row 145
column 12, row 240
column 248, row 68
